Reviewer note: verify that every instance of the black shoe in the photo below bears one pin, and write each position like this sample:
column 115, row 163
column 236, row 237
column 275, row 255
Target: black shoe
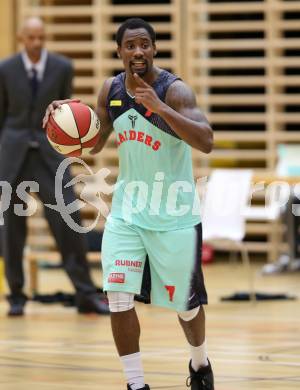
column 146, row 387
column 93, row 304
column 203, row 379
column 16, row 310
column 16, row 305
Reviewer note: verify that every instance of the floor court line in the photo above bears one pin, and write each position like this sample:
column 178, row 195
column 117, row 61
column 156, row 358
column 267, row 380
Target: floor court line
column 151, row 356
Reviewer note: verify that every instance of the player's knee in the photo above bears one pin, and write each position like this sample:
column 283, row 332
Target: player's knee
column 189, row 314
column 120, row 301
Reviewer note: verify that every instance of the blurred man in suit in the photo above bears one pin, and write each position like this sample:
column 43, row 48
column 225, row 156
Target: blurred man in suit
column 28, row 82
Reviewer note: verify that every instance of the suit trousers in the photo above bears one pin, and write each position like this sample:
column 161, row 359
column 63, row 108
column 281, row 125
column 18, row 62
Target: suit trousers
column 72, row 245
column 292, row 223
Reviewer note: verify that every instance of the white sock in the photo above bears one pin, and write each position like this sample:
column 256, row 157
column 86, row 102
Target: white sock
column 199, row 356
column 133, row 369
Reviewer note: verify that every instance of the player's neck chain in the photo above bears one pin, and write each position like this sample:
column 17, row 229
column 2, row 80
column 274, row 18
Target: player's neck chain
column 129, row 94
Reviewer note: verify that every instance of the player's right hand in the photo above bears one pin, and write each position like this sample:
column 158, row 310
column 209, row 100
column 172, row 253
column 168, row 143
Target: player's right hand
column 52, row 107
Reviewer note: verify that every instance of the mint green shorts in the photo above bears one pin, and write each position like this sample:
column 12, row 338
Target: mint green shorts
column 174, row 258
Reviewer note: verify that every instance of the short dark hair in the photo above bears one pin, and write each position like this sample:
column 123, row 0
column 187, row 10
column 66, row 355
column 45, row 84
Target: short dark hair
column 132, row 24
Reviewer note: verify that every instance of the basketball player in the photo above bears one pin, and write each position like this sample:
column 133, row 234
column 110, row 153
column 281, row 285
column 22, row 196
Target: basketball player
column 156, row 120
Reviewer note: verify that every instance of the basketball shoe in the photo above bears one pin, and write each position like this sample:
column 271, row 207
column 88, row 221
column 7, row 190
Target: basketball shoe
column 203, row 379
column 146, row 387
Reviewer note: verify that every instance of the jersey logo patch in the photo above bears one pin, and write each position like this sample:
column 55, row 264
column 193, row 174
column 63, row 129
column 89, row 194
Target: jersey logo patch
column 171, row 291
column 116, row 277
column 133, row 118
column 115, row 103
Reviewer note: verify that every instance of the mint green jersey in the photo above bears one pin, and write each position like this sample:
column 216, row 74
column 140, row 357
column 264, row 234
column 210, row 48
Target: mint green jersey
column 155, row 189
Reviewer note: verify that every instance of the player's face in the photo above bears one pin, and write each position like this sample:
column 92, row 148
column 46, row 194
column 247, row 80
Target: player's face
column 137, row 51
column 33, row 39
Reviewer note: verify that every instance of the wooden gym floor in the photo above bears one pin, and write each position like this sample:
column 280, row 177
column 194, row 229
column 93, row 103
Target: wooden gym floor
column 251, row 346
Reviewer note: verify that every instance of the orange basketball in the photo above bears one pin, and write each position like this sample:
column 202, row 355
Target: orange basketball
column 73, row 129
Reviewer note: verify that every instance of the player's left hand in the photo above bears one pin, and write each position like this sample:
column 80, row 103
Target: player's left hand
column 145, row 95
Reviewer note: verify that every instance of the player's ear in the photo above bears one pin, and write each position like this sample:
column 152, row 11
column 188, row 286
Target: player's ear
column 155, row 50
column 119, row 52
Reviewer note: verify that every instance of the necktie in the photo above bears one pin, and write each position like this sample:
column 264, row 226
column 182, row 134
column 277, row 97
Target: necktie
column 34, row 82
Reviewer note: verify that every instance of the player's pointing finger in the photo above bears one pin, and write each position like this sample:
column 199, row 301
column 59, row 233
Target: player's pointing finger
column 140, row 81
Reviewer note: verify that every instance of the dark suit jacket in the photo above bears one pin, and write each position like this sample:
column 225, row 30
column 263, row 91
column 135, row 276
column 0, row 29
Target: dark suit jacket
column 21, row 118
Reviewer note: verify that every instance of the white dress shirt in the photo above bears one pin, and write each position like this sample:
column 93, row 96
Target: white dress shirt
column 38, row 66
